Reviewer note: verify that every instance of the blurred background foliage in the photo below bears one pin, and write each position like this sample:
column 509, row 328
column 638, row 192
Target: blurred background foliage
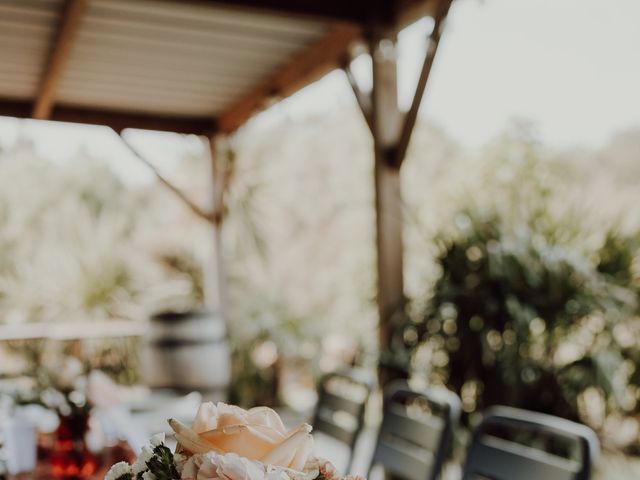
column 535, row 304
column 515, row 319
column 521, row 264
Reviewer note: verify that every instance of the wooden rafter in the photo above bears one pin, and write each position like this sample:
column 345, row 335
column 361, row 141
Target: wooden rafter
column 348, row 20
column 400, row 13
column 318, row 59
column 363, row 98
column 409, row 11
column 115, row 119
column 430, row 55
column 199, row 212
column 60, row 51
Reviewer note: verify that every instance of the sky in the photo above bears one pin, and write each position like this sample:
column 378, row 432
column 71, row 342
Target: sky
column 570, row 66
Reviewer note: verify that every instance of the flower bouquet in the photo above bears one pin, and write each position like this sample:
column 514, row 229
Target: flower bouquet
column 229, row 443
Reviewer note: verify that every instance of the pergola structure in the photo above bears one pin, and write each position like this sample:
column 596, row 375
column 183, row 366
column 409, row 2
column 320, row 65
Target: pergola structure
column 206, row 66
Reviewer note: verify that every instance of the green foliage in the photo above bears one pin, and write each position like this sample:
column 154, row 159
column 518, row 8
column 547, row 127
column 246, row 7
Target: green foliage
column 162, row 464
column 616, row 259
column 277, row 339
column 253, row 385
column 515, row 320
column 117, row 357
column 66, row 246
column 535, row 304
column 298, row 249
column 185, row 264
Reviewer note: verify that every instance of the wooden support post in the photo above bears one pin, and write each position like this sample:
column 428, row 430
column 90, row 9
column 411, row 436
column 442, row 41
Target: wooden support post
column 391, row 131
column 216, row 298
column 386, row 119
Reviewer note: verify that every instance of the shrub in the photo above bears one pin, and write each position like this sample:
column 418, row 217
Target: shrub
column 518, row 320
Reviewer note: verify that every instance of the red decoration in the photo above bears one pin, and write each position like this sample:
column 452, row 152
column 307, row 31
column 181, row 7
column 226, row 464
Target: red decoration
column 70, row 457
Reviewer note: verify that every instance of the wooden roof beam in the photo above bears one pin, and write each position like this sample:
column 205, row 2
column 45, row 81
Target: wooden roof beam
column 318, row 59
column 117, row 120
column 363, row 98
column 199, row 212
column 430, row 55
column 398, row 12
column 58, row 56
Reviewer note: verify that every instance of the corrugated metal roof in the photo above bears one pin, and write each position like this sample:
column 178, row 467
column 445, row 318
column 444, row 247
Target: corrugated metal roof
column 184, row 59
column 149, row 56
column 27, row 29
column 191, row 59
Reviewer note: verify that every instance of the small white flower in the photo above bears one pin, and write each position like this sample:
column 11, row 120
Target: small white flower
column 140, row 464
column 118, row 470
column 157, row 439
column 148, row 476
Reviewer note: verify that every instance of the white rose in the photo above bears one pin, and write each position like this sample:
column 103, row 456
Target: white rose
column 276, row 473
column 257, row 434
column 234, row 467
column 212, row 466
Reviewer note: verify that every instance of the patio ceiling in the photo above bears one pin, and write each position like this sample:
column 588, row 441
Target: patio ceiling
column 185, row 66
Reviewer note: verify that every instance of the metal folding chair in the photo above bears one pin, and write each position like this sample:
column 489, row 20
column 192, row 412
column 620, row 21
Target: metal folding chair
column 518, row 444
column 416, row 431
column 342, row 398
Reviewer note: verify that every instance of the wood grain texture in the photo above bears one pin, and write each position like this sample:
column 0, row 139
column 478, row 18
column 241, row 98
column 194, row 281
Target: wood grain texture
column 116, row 119
column 309, row 65
column 60, row 51
column 399, row 12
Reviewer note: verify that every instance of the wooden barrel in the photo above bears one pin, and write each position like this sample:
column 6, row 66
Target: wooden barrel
column 187, row 352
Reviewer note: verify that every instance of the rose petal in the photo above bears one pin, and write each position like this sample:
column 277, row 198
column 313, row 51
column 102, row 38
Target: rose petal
column 188, row 438
column 230, row 415
column 234, row 467
column 212, row 466
column 206, row 418
column 190, row 468
column 256, row 434
column 246, row 440
column 266, row 416
column 294, row 451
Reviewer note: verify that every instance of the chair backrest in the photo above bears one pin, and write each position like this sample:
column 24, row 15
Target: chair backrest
column 512, row 443
column 416, row 431
column 342, row 398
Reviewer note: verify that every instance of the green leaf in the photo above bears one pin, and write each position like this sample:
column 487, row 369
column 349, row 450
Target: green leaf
column 162, row 464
